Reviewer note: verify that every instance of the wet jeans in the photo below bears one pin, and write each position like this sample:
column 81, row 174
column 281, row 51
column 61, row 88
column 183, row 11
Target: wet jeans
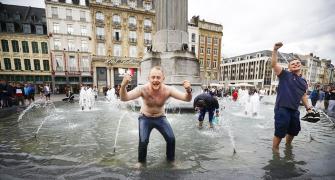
column 146, row 124
column 203, row 113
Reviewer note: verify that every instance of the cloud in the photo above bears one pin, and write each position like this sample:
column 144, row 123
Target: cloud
column 304, row 26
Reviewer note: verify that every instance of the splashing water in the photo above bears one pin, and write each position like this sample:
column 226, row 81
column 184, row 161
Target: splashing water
column 36, row 103
column 117, row 130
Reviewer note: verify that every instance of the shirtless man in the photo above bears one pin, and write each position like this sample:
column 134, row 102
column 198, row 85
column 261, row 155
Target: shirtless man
column 154, row 95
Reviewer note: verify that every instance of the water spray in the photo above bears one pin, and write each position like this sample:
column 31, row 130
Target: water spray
column 117, row 131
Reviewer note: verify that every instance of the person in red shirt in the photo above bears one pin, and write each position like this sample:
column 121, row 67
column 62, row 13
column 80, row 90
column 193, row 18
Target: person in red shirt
column 235, row 95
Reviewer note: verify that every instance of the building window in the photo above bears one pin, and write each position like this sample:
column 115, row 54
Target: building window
column 26, row 28
column 215, row 52
column 193, row 37
column 72, row 63
column 71, row 45
column 85, row 64
column 44, row 46
column 132, row 51
column 201, row 50
column 116, row 2
column 147, row 23
column 69, row 29
column 10, row 27
column 209, row 40
column 99, row 16
column 147, row 5
column 46, row 66
column 201, row 61
column 116, row 19
column 193, row 48
column 132, row 3
column 4, row 44
column 100, row 31
column 37, row 64
column 56, row 27
column 132, row 21
column 82, row 16
column 208, row 63
column 39, row 29
column 132, row 36
column 101, row 49
column 117, row 50
column 7, row 63
column 202, row 39
column 117, row 35
column 59, row 63
column 216, row 41
column 25, row 47
column 83, row 30
column 57, row 44
column 17, row 63
column 34, row 47
column 27, row 64
column 54, row 12
column 15, row 46
column 147, row 38
column 208, row 51
column 215, row 64
column 84, row 46
column 68, row 14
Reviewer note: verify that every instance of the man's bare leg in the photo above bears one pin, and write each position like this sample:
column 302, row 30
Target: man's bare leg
column 289, row 139
column 275, row 144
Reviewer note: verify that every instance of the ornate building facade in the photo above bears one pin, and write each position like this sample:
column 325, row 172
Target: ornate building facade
column 121, row 31
column 205, row 41
column 69, row 31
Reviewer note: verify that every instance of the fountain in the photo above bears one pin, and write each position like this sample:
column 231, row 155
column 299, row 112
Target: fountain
column 73, row 144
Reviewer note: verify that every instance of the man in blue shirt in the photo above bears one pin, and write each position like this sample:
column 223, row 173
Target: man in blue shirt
column 291, row 90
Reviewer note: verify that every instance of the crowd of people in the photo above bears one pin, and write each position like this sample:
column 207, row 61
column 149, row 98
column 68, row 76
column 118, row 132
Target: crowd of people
column 19, row 94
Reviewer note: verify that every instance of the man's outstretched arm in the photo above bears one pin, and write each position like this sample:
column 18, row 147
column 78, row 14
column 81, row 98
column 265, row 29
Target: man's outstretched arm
column 187, row 96
column 274, row 60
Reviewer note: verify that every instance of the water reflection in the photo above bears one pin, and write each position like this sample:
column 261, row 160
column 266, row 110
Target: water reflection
column 284, row 167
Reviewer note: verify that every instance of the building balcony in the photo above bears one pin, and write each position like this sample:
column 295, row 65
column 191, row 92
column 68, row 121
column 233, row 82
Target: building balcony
column 54, row 16
column 116, row 25
column 132, row 41
column 101, row 37
column 147, row 42
column 117, row 40
column 132, row 26
column 147, row 28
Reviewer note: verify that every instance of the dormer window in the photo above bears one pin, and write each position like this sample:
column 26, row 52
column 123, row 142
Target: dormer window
column 17, row 17
column 10, row 27
column 116, row 2
column 39, row 29
column 26, row 28
column 147, row 5
column 132, row 3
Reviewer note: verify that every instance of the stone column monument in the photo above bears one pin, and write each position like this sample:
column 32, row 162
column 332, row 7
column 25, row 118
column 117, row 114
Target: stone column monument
column 170, row 47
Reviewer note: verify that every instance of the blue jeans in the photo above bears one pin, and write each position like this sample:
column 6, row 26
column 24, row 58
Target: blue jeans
column 203, row 113
column 146, row 124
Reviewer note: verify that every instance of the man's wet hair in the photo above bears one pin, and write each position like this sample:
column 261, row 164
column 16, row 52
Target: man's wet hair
column 157, row 68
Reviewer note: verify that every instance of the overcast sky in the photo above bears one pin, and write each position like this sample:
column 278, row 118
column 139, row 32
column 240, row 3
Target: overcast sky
column 303, row 26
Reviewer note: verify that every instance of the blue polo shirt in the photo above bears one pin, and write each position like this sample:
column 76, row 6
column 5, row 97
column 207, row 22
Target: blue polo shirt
column 291, row 88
